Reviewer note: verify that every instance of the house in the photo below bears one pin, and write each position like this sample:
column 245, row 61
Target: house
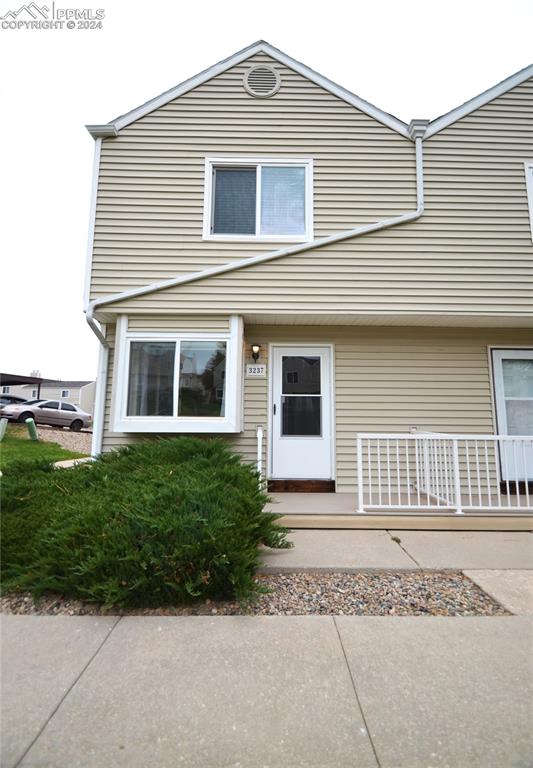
column 348, row 299
column 76, row 392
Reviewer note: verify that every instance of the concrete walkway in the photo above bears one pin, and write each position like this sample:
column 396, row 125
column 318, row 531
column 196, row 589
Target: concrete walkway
column 319, row 692
column 350, row 550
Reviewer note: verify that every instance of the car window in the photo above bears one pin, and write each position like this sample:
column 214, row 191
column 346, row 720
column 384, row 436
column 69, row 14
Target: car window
column 67, row 407
column 50, row 404
column 33, row 402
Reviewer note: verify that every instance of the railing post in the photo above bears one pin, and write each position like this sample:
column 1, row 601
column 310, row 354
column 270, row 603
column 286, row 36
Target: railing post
column 457, row 478
column 360, row 485
column 259, row 433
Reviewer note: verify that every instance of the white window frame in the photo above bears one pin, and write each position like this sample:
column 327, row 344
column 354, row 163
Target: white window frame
column 258, row 162
column 65, row 393
column 229, row 423
column 34, row 393
column 498, row 354
column 528, row 167
column 6, row 390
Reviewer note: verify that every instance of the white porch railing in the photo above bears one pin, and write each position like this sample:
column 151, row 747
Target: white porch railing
column 434, row 472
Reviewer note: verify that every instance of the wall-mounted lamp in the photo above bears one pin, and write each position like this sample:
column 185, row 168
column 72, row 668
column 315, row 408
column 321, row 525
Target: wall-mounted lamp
column 256, row 350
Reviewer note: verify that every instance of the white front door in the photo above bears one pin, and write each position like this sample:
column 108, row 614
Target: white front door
column 513, row 387
column 301, row 426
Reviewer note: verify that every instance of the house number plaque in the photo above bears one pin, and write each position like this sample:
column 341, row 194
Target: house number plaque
column 256, row 370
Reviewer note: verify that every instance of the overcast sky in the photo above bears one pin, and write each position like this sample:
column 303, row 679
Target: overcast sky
column 414, row 59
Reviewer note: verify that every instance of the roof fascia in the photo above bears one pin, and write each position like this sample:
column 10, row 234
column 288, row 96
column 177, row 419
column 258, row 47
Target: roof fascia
column 116, row 125
column 479, row 101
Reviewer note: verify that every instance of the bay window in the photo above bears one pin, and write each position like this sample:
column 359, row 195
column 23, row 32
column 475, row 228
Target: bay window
column 258, row 199
column 169, row 382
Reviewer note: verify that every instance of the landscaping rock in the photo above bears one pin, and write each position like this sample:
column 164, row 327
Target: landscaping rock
column 367, row 593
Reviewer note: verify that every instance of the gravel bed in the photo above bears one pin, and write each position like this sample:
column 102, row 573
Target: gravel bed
column 376, row 593
column 78, row 442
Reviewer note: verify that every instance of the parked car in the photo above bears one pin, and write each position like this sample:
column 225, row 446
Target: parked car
column 51, row 412
column 11, row 400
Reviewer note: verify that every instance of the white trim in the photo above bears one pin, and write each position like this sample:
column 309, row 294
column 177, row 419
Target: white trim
column 271, row 255
column 528, row 169
column 259, row 47
column 92, row 221
column 67, row 395
column 332, row 383
column 498, row 353
column 479, row 101
column 258, row 163
column 229, row 423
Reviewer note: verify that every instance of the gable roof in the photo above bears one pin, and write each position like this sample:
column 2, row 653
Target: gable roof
column 479, row 101
column 116, row 125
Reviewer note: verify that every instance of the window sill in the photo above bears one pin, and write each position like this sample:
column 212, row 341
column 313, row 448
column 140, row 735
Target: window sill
column 259, row 238
column 169, row 425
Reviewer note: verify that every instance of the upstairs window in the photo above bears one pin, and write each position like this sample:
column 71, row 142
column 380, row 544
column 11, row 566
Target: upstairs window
column 269, row 200
column 65, row 393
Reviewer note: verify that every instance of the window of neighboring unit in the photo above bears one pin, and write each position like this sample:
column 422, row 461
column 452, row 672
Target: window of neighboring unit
column 6, row 390
column 65, row 393
column 34, row 393
column 258, row 199
column 177, row 378
column 529, row 186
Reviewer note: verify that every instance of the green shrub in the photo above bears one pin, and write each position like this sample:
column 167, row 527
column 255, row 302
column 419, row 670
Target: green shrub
column 158, row 523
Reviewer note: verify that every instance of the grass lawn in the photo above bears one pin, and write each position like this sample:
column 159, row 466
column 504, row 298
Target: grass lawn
column 17, row 446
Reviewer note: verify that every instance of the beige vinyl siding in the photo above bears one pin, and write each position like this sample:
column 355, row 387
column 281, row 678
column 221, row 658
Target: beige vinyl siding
column 151, row 186
column 470, row 253
column 202, row 323
column 386, row 379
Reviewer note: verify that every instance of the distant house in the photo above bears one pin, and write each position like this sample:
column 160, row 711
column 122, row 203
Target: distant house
column 76, row 392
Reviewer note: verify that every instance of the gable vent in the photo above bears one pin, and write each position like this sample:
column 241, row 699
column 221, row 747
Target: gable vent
column 262, row 81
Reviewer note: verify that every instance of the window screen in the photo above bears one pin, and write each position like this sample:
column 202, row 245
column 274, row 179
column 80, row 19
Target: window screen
column 235, row 192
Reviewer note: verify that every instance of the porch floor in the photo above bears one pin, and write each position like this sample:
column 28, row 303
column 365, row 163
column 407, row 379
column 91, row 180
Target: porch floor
column 338, row 510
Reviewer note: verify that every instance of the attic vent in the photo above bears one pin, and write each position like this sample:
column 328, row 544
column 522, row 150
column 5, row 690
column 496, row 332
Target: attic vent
column 262, row 81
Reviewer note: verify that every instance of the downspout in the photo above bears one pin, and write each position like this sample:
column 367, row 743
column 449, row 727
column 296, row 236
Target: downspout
column 101, row 384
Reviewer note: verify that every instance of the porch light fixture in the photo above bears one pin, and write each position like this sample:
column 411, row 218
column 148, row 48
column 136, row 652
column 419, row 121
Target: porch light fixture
column 256, row 350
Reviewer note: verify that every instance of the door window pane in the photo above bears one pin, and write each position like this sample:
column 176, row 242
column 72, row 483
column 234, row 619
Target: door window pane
column 282, row 200
column 301, row 375
column 301, row 416
column 517, row 378
column 202, row 378
column 234, row 212
column 50, row 404
column 151, row 378
column 67, row 407
column 519, row 417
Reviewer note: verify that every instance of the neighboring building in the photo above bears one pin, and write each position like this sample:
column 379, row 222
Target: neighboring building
column 383, row 269
column 76, row 392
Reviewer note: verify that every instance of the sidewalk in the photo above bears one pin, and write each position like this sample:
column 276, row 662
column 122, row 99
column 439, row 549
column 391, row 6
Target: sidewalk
column 319, row 692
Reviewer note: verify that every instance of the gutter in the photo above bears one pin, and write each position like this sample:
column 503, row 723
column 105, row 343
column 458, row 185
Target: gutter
column 417, row 131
